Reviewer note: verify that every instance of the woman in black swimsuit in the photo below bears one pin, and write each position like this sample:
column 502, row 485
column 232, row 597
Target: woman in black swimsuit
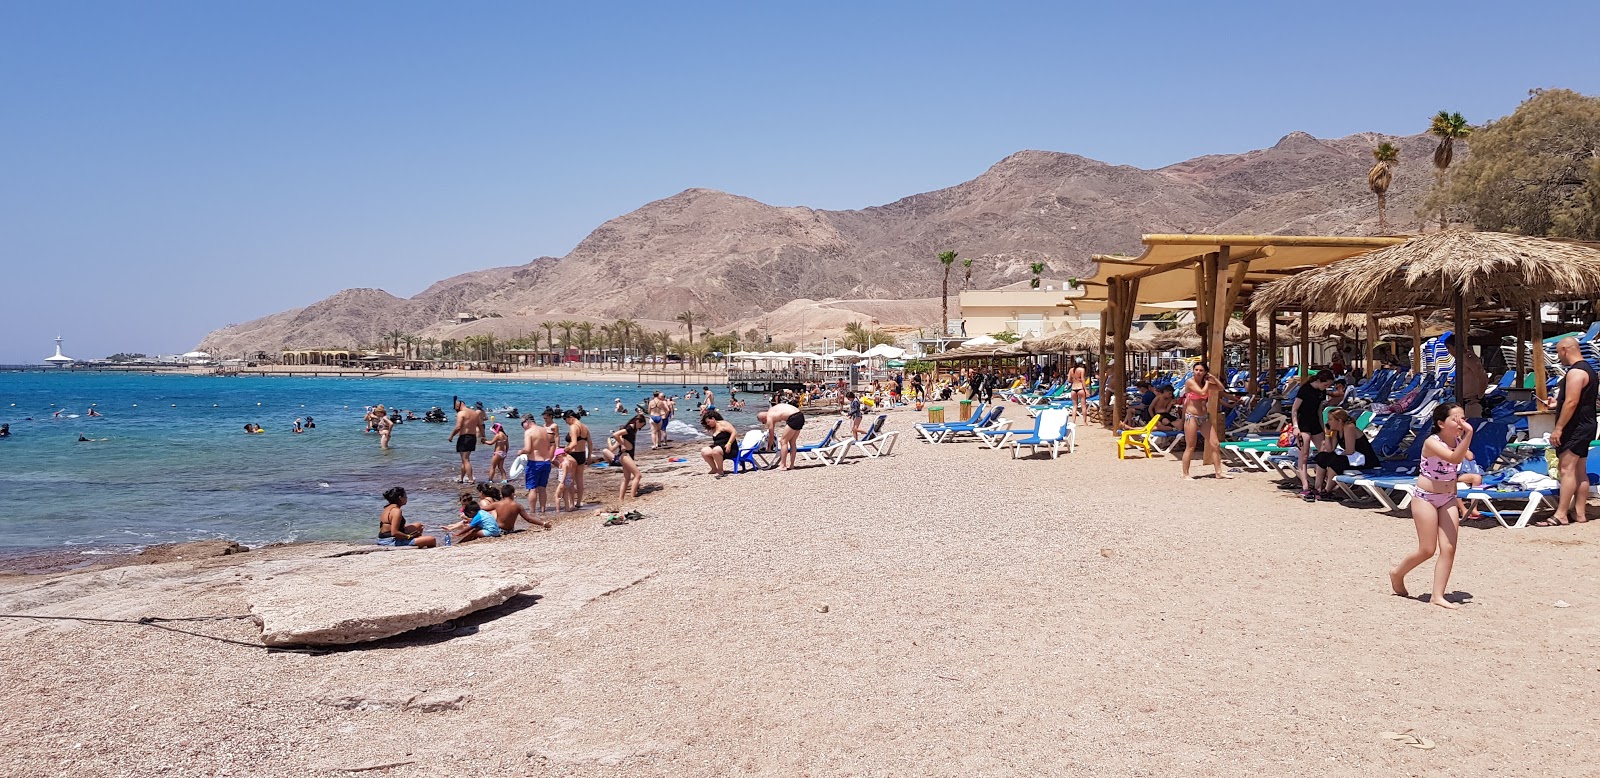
column 724, row 442
column 624, row 440
column 578, row 447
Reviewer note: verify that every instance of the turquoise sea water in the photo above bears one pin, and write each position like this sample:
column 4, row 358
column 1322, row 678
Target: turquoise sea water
column 176, row 464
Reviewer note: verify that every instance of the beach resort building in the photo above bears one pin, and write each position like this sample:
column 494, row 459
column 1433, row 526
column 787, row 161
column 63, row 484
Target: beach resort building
column 1026, row 312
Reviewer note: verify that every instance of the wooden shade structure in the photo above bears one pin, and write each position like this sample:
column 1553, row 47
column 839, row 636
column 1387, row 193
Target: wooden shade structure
column 1454, row 271
column 1216, row 272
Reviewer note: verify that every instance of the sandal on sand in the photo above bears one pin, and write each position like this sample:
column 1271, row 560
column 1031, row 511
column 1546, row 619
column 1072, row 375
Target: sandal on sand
column 633, row 515
column 1308, row 496
column 1549, row 523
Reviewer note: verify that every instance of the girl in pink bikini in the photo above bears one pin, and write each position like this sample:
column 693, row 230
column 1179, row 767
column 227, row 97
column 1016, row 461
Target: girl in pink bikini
column 1434, row 505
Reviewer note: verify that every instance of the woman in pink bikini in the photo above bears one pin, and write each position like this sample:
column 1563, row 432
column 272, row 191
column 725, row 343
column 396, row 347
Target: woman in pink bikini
column 1434, row 505
column 1197, row 415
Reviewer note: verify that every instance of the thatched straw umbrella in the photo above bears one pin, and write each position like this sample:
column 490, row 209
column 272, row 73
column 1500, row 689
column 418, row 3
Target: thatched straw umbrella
column 1081, row 340
column 1452, row 271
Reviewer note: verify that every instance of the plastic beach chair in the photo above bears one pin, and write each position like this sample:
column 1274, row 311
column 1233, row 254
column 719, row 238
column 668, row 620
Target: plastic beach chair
column 746, row 458
column 808, row 451
column 939, row 433
column 1054, row 428
column 1487, row 494
column 1136, row 438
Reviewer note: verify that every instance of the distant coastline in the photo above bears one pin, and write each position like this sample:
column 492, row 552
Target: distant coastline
column 632, row 376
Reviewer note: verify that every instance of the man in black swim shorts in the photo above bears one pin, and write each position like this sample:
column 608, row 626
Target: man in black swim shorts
column 469, row 425
column 789, row 439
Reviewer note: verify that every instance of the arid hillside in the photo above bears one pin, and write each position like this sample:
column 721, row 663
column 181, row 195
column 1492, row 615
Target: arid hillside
column 737, row 262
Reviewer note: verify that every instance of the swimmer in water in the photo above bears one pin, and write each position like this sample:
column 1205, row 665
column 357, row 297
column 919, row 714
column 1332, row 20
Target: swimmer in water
column 297, row 427
column 5, row 430
column 620, row 409
column 92, row 413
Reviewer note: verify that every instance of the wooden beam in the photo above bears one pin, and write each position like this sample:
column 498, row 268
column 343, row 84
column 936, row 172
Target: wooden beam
column 1254, row 367
column 1151, row 270
column 1119, row 350
column 1317, row 241
column 1522, row 353
column 1539, row 378
column 1272, row 352
column 1416, row 343
column 1305, row 344
column 1221, row 314
column 1372, row 343
column 1463, row 345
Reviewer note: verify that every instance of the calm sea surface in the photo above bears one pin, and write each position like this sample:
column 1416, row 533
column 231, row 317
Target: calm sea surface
column 176, row 465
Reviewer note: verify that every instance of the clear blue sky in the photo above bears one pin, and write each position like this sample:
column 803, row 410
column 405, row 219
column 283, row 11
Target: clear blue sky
column 170, row 167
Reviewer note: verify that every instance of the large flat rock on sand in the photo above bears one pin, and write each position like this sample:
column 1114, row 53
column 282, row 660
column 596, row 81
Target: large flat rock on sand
column 370, row 596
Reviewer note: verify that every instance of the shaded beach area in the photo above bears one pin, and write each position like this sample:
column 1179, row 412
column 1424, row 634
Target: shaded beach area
column 940, row 611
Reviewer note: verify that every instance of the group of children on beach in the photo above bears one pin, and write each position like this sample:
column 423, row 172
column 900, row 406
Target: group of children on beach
column 488, row 512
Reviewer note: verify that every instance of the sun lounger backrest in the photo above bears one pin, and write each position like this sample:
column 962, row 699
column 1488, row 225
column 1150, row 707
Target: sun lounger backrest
column 1387, row 441
column 1488, row 441
column 752, row 440
column 1053, row 424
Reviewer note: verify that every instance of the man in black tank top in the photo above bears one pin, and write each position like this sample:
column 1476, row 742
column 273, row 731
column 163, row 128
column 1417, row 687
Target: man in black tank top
column 1575, row 430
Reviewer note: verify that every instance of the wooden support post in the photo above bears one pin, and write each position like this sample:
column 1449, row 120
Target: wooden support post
column 1305, row 344
column 1221, row 313
column 1539, row 378
column 1416, row 343
column 1272, row 353
column 1463, row 345
column 1119, row 351
column 1522, row 353
column 1372, row 344
column 1254, row 367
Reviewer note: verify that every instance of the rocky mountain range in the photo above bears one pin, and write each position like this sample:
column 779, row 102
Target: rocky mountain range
column 739, row 263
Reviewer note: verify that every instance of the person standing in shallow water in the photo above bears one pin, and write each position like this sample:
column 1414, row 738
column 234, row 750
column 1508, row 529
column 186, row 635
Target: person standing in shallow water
column 469, row 425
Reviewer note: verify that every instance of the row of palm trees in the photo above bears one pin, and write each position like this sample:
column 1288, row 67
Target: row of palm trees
column 625, row 337
column 1448, row 128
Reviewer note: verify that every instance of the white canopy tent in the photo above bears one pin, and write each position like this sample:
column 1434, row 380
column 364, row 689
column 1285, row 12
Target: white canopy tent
column 884, row 351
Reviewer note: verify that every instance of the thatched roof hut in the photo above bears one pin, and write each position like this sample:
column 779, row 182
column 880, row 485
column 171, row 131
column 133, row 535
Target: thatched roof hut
column 1483, row 270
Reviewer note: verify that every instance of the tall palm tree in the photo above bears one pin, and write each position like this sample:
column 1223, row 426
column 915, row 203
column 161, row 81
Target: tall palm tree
column 394, row 336
column 1379, row 178
column 625, row 329
column 410, row 341
column 549, row 334
column 946, row 258
column 687, row 318
column 429, row 346
column 585, row 339
column 566, row 326
column 966, row 283
column 1448, row 128
column 1038, row 270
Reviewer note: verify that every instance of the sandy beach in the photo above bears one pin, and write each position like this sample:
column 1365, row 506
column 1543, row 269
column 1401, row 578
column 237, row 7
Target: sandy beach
column 943, row 611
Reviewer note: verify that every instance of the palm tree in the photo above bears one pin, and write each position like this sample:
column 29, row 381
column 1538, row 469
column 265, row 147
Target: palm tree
column 1038, row 270
column 410, row 341
column 1379, row 178
column 625, row 329
column 394, row 336
column 687, row 317
column 966, row 283
column 566, row 326
column 429, row 345
column 447, row 348
column 946, row 258
column 1448, row 128
column 585, row 339
column 549, row 334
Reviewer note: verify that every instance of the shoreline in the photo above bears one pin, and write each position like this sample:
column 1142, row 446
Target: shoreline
column 600, row 491
column 574, row 375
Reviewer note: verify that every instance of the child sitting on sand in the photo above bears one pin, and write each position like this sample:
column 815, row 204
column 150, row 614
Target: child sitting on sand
column 507, row 510
column 392, row 527
column 475, row 521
